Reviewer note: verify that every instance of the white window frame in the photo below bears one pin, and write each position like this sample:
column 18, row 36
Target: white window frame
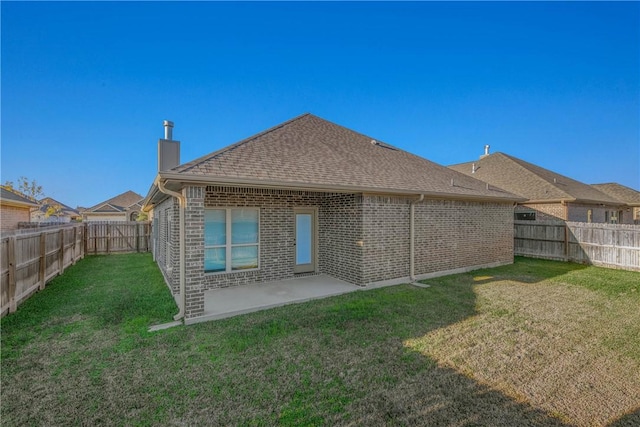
column 228, row 245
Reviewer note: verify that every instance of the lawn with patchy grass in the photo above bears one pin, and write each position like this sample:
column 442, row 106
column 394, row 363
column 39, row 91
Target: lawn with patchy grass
column 536, row 343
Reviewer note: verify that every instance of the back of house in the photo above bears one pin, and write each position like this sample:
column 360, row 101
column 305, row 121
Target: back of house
column 311, row 197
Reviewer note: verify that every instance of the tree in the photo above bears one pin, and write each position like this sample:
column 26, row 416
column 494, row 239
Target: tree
column 53, row 210
column 30, row 189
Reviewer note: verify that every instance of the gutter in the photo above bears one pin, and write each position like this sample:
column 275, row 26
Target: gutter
column 182, row 202
column 412, row 242
column 260, row 183
column 573, row 200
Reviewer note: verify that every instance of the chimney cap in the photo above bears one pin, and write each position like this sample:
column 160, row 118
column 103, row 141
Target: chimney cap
column 168, row 129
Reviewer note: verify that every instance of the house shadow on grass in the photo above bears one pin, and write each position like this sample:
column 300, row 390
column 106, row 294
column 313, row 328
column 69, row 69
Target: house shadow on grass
column 525, row 270
column 444, row 397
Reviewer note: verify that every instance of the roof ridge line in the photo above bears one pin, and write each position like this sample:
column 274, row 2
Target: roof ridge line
column 237, row 144
column 362, row 134
column 538, row 177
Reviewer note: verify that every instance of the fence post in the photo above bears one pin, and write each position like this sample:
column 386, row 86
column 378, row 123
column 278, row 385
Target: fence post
column 43, row 260
column 61, row 254
column 75, row 241
column 137, row 226
column 566, row 242
column 85, row 243
column 108, row 236
column 11, row 257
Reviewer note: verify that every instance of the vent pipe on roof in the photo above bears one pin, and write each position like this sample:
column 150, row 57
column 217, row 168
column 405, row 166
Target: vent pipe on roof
column 168, row 129
column 486, row 151
column 473, row 168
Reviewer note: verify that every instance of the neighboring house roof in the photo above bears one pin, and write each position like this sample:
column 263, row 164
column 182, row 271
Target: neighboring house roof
column 309, row 152
column 10, row 198
column 620, row 192
column 120, row 203
column 108, row 208
column 532, row 182
column 46, row 202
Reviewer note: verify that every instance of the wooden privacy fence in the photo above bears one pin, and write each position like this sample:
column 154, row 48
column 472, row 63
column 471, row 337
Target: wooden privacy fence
column 114, row 237
column 605, row 245
column 30, row 259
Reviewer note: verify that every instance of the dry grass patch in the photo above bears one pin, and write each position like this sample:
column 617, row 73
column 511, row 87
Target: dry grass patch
column 567, row 349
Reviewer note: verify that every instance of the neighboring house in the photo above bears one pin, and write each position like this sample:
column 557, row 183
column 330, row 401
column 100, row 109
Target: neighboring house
column 549, row 195
column 123, row 207
column 626, row 195
column 14, row 209
column 52, row 210
column 312, row 197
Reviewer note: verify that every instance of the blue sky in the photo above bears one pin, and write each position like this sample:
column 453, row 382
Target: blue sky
column 85, row 86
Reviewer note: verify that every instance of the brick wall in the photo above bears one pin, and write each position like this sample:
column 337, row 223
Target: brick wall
column 195, row 283
column 579, row 213
column 457, row 234
column 449, row 235
column 10, row 216
column 361, row 238
column 339, row 228
column 544, row 211
column 386, row 237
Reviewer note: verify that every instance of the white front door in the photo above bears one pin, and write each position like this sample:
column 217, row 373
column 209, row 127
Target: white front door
column 305, row 241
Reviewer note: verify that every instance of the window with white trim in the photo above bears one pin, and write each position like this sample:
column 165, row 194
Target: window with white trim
column 231, row 239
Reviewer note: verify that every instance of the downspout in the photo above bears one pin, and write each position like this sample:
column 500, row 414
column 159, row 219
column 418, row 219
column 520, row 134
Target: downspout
column 182, row 203
column 412, row 243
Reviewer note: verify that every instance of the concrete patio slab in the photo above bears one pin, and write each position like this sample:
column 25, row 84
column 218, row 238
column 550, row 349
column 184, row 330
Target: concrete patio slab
column 228, row 302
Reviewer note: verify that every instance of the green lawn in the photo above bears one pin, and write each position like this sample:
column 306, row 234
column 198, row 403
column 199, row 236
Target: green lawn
column 535, row 343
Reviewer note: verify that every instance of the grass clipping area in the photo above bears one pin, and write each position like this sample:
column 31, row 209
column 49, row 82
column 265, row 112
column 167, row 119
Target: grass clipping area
column 537, row 343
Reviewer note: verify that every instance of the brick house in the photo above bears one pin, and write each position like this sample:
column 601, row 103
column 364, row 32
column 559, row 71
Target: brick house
column 123, row 207
column 626, row 195
column 311, row 197
column 14, row 209
column 549, row 195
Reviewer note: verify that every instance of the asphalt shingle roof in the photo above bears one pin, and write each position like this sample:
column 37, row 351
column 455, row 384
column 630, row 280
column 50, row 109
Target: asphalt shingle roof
column 311, row 150
column 11, row 196
column 49, row 201
column 119, row 202
column 530, row 181
column 620, row 192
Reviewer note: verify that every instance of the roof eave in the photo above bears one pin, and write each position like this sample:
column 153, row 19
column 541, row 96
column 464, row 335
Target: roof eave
column 574, row 200
column 153, row 196
column 18, row 203
column 178, row 180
